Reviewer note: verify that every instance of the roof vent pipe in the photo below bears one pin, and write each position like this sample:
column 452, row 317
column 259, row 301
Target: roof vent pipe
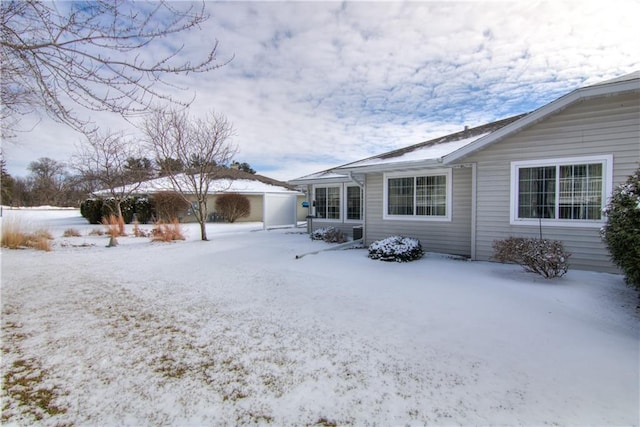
column 466, row 128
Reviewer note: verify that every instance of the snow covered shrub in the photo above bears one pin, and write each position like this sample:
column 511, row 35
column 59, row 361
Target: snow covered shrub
column 91, row 210
column 396, row 248
column 329, row 235
column 544, row 257
column 622, row 230
column 233, row 206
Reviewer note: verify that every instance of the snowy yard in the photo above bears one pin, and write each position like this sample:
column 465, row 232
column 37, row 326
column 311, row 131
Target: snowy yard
column 237, row 331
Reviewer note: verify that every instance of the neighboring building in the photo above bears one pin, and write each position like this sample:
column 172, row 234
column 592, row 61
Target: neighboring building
column 552, row 170
column 272, row 202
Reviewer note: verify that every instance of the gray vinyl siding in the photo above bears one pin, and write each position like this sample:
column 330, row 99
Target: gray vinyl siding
column 452, row 237
column 601, row 126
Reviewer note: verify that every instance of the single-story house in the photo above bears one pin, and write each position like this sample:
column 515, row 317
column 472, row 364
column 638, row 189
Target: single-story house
column 272, row 202
column 550, row 171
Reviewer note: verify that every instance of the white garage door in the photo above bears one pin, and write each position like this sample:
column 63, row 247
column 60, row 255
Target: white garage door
column 279, row 210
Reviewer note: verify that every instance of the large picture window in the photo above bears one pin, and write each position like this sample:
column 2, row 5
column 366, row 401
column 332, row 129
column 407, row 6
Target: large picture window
column 419, row 196
column 327, row 202
column 565, row 190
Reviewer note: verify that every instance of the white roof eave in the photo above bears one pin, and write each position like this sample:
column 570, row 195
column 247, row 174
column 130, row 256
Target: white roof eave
column 394, row 166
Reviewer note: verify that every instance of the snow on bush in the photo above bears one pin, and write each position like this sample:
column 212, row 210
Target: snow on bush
column 396, row 248
column 329, row 234
column 622, row 230
column 544, row 257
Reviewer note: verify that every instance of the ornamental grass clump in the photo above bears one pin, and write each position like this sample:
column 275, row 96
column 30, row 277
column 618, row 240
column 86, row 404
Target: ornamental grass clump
column 547, row 258
column 163, row 232
column 396, row 248
column 16, row 236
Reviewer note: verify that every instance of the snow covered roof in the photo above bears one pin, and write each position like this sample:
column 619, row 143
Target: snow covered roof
column 423, row 152
column 453, row 147
column 432, row 150
column 232, row 181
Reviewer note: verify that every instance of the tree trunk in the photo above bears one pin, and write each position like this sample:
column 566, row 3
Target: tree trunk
column 202, row 209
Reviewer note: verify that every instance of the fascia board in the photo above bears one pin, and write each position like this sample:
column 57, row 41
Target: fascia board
column 330, row 180
column 393, row 166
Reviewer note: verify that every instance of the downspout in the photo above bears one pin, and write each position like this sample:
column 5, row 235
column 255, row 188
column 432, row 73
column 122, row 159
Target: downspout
column 474, row 202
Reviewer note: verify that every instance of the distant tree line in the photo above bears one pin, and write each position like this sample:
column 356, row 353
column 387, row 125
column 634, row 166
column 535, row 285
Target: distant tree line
column 55, row 183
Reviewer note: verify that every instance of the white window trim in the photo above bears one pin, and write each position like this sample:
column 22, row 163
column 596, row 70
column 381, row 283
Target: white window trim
column 607, row 189
column 340, row 211
column 426, row 172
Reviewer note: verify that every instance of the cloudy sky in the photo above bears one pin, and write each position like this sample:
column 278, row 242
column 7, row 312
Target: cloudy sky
column 313, row 85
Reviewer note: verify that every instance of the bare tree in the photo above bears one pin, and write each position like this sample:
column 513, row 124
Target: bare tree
column 105, row 161
column 104, row 55
column 48, row 179
column 203, row 145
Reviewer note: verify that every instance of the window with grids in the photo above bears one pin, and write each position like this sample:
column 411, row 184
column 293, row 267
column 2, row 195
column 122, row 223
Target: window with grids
column 354, row 203
column 563, row 191
column 418, row 196
column 327, row 202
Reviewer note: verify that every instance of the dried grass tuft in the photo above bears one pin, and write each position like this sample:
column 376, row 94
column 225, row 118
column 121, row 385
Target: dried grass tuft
column 71, row 232
column 163, row 232
column 16, row 235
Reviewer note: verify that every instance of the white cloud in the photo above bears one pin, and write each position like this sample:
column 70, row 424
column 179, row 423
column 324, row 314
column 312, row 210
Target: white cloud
column 318, row 84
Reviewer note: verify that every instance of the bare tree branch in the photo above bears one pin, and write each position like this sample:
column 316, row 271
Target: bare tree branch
column 57, row 56
column 202, row 146
column 105, row 160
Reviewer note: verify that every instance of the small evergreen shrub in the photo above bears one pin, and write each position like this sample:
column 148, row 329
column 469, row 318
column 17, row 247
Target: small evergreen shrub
column 547, row 258
column 329, row 235
column 91, row 210
column 396, row 248
column 128, row 208
column 143, row 209
column 233, row 206
column 621, row 233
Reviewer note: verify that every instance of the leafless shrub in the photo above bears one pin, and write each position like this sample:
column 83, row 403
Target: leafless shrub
column 547, row 258
column 168, row 205
column 233, row 206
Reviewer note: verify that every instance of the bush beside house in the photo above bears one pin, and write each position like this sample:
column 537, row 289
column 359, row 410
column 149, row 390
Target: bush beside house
column 396, row 248
column 547, row 258
column 622, row 230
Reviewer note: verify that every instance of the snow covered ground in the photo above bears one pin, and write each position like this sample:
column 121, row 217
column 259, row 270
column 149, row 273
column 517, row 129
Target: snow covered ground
column 238, row 331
